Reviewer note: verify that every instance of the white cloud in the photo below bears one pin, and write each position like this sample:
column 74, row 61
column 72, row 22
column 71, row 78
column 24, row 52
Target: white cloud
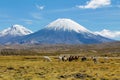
column 108, row 33
column 93, row 4
column 118, row 6
column 36, row 15
column 40, row 7
column 3, row 15
column 27, row 21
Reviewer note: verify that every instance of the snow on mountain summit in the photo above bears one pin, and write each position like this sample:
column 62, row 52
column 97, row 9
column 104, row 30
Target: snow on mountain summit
column 66, row 25
column 15, row 30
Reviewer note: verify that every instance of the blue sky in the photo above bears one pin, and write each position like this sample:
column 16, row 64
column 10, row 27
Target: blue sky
column 102, row 16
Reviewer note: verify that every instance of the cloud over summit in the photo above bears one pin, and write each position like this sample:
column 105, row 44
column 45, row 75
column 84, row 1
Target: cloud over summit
column 93, row 4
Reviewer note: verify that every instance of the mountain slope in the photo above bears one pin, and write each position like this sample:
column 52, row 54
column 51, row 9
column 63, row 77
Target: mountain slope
column 13, row 32
column 63, row 31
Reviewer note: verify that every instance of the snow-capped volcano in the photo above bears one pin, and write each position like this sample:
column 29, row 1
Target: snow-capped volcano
column 15, row 30
column 66, row 25
column 63, row 31
column 60, row 31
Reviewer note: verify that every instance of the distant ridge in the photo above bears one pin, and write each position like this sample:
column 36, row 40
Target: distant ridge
column 13, row 32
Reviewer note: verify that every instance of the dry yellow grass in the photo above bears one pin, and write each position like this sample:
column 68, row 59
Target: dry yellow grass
column 35, row 68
